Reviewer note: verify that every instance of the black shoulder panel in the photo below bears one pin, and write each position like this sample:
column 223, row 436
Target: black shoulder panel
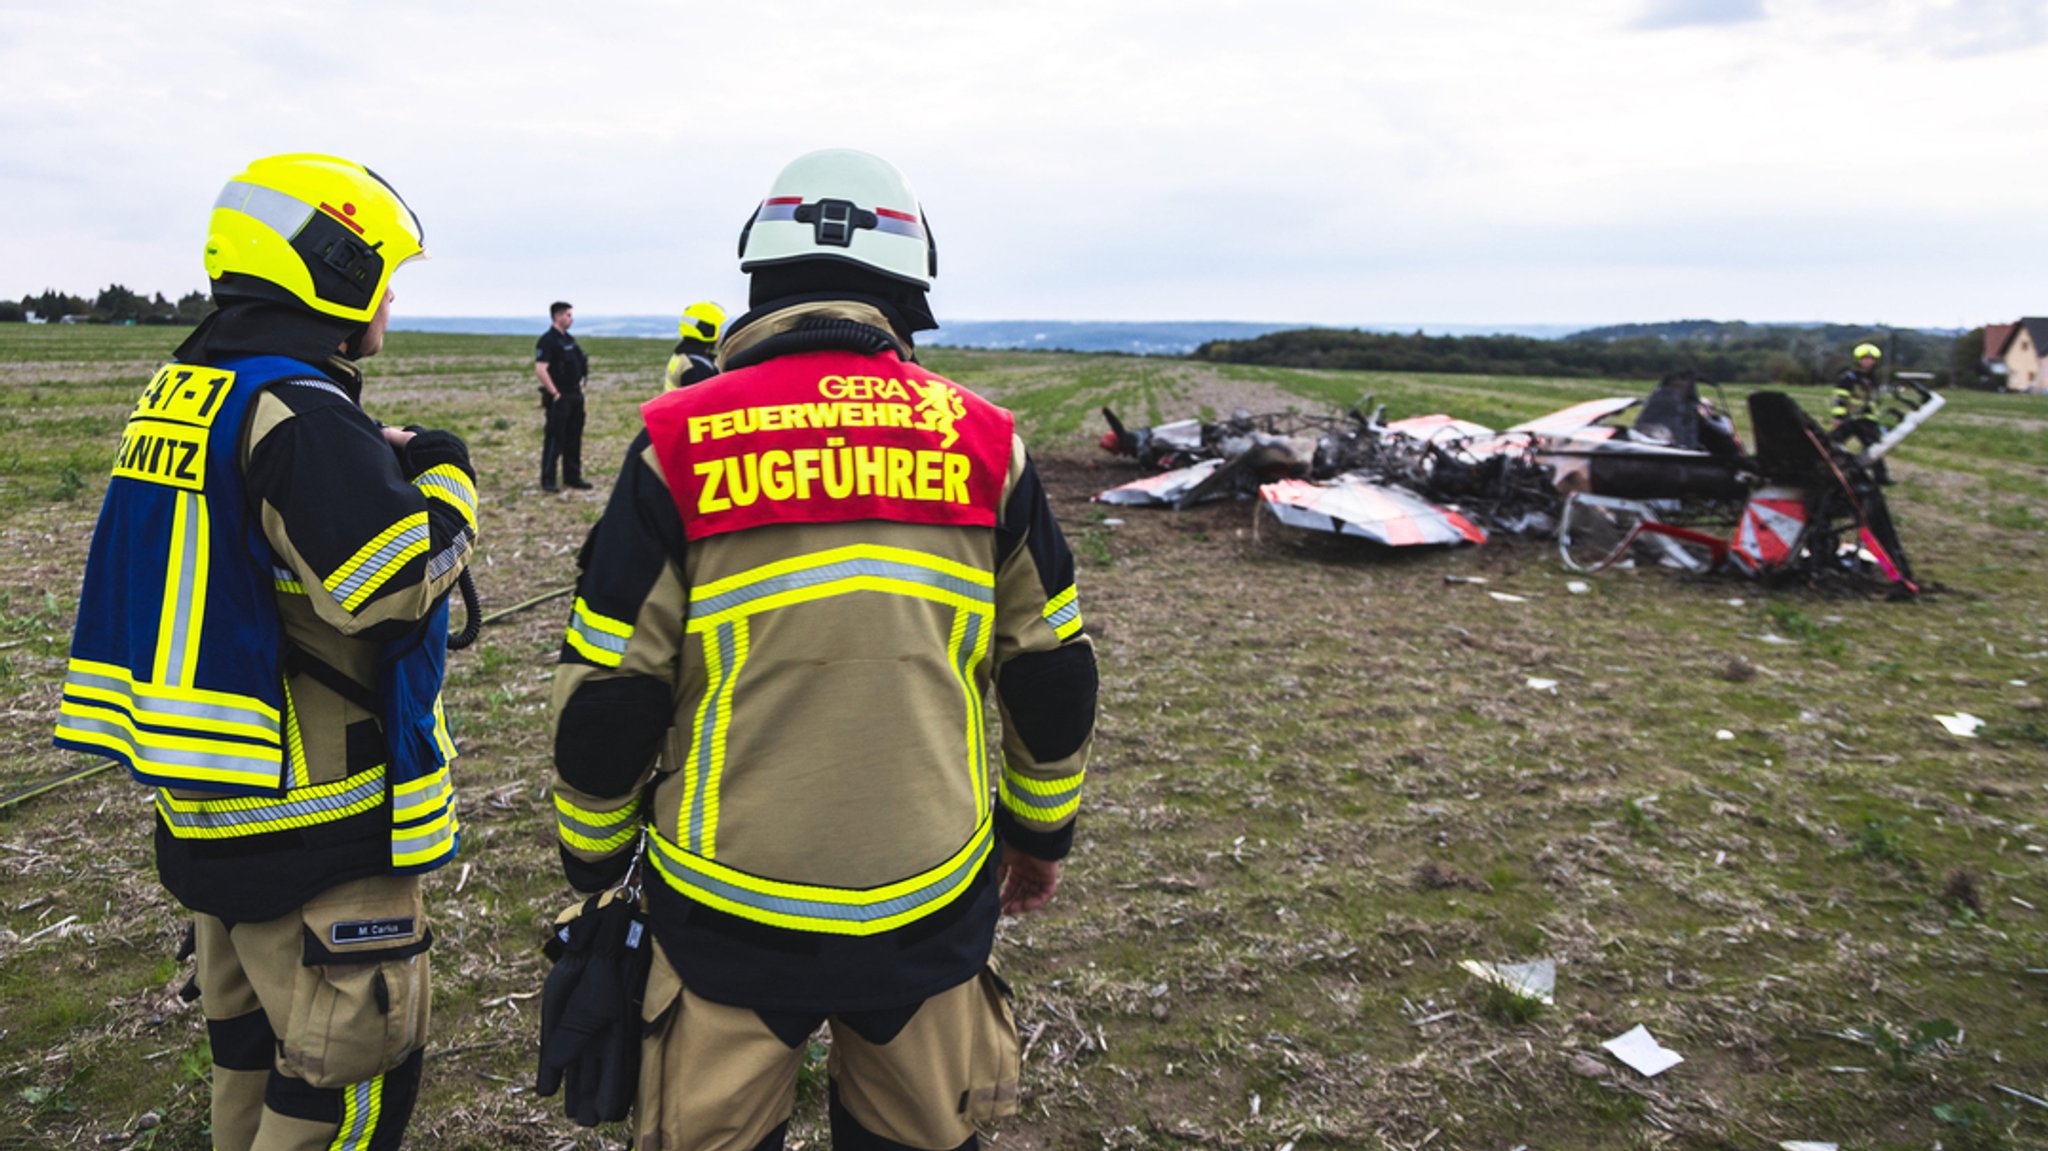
column 1028, row 521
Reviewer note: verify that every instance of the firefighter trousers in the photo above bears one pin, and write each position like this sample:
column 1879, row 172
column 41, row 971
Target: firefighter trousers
column 318, row 1019
column 715, row 1077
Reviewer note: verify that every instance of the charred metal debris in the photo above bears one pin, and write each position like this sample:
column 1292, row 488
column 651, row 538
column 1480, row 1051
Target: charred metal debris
column 1674, row 486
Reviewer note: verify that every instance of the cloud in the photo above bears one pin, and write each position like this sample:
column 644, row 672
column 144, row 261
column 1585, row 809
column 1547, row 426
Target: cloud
column 1428, row 160
column 1659, row 15
column 1885, row 29
column 1964, row 28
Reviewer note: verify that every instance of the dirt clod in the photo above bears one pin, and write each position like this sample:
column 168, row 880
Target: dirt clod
column 1587, row 1067
column 1434, row 875
column 1961, row 892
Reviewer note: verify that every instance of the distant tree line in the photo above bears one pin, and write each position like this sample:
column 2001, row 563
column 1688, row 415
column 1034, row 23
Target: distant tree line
column 114, row 305
column 1722, row 352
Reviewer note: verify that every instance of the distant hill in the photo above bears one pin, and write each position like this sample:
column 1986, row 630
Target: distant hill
column 1163, row 338
column 1741, row 331
column 1727, row 351
column 1137, row 339
column 1134, row 338
column 1166, row 338
column 1719, row 352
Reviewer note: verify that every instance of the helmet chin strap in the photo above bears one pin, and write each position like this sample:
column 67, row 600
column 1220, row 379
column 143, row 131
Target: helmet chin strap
column 352, row 348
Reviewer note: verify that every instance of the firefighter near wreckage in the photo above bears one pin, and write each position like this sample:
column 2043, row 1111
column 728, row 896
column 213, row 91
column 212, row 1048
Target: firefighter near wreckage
column 261, row 636
column 813, row 569
column 697, row 343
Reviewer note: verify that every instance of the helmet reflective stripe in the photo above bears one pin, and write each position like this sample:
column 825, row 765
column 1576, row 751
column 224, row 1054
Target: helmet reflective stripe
column 886, row 219
column 899, row 224
column 282, row 214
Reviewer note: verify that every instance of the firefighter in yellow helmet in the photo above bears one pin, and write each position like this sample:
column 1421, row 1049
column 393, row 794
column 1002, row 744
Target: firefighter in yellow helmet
column 1856, row 387
column 700, row 327
column 815, row 573
column 260, row 639
column 1855, row 413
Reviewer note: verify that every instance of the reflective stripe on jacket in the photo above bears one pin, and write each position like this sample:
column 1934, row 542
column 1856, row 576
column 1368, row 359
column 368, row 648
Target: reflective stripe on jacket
column 179, row 660
column 176, row 661
column 1855, row 395
column 773, row 453
column 785, row 643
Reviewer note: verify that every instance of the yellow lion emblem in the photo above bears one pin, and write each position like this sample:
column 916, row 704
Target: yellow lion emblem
column 939, row 408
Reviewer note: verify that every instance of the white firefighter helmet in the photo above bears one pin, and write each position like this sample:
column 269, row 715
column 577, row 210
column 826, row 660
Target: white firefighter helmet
column 840, row 204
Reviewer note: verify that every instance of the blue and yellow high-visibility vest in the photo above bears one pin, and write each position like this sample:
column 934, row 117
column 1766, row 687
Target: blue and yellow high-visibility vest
column 177, row 666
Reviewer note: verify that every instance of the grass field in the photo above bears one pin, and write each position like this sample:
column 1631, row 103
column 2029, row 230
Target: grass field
column 1321, row 781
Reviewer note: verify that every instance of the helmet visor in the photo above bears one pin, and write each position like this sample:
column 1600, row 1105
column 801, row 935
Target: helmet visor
column 408, row 219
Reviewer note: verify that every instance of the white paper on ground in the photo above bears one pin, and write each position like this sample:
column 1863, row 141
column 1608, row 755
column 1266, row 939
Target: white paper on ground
column 1537, row 980
column 1540, row 684
column 1578, row 587
column 1724, row 735
column 1961, row 723
column 1505, row 597
column 1646, row 1055
column 1804, row 1145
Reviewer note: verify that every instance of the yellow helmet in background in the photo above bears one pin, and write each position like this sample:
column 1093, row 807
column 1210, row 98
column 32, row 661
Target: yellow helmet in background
column 319, row 230
column 702, row 321
column 1868, row 350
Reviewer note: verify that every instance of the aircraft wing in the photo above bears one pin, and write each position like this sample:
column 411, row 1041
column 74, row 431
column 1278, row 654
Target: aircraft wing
column 1572, row 421
column 1354, row 505
column 1439, row 427
column 1161, row 490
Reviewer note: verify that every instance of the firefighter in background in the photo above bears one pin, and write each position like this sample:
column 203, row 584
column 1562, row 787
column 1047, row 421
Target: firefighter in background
column 1855, row 411
column 812, row 571
column 260, row 637
column 1855, row 407
column 691, row 362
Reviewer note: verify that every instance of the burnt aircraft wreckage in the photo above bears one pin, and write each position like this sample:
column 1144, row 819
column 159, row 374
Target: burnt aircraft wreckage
column 1675, row 486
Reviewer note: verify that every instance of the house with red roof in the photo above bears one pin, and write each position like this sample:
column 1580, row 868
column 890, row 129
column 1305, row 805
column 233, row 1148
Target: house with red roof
column 2021, row 352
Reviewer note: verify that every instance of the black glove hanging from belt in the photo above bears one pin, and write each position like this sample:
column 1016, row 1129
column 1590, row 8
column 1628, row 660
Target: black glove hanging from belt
column 590, row 1005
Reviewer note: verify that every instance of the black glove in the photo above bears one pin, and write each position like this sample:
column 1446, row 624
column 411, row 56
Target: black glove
column 590, row 1008
column 431, row 447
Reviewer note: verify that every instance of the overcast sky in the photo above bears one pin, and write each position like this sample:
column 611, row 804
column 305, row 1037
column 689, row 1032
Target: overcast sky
column 1330, row 161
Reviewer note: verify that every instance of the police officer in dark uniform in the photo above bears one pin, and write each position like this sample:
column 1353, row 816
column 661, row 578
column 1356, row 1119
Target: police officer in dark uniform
column 561, row 365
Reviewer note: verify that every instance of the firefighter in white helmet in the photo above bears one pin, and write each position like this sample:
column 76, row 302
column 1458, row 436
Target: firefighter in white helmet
column 816, row 571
